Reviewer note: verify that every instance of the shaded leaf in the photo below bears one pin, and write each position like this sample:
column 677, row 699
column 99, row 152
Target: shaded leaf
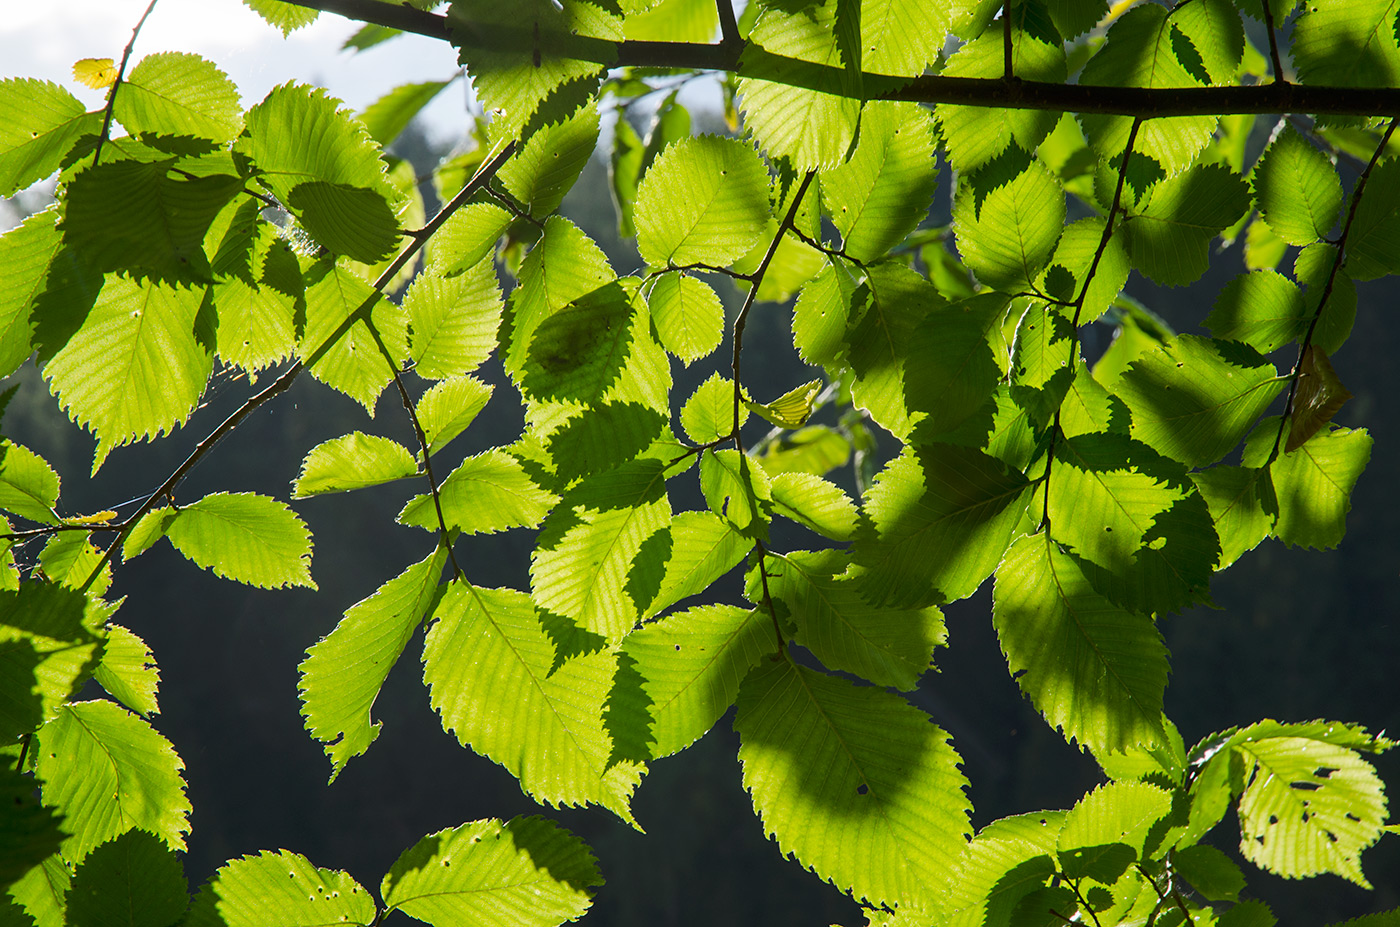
column 1320, row 396
column 134, row 880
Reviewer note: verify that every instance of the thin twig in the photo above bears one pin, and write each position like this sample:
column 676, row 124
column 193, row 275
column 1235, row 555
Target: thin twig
column 768, row 596
column 1337, row 260
column 742, row 319
column 121, row 73
column 1271, row 29
column 728, row 26
column 288, row 376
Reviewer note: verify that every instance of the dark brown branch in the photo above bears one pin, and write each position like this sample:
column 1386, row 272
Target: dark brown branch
column 116, row 84
column 1275, row 97
column 728, row 25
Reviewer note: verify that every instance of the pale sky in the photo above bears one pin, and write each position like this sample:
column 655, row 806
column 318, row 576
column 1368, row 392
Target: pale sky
column 42, row 38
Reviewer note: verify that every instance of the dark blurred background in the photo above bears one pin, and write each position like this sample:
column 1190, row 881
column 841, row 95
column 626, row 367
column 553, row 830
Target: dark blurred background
column 1298, row 635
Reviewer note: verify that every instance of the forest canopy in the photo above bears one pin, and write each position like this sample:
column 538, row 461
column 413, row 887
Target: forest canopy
column 937, row 205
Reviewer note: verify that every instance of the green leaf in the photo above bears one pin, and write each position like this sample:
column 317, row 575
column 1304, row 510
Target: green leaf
column 135, row 368
column 708, row 415
column 815, row 449
column 449, row 407
column 940, row 519
column 1347, row 43
column 527, row 871
column 128, row 671
column 604, row 437
column 688, row 314
column 245, row 537
column 108, row 772
column 1210, row 872
column 28, row 485
column 1094, row 670
column 279, row 888
column 1297, row 191
column 31, row 831
column 800, row 91
column 344, row 671
column 1309, row 805
column 285, row 16
column 1313, row 484
column 452, row 321
column 674, row 21
column 487, row 493
column 1007, row 860
column 549, row 162
column 352, row 461
column 26, row 254
column 132, row 881
column 148, row 529
column 1074, row 255
column 1215, row 33
column 339, row 345
column 1137, row 527
column 856, row 783
column 1374, row 237
column 1008, row 239
column 901, row 37
column 1114, row 815
column 387, row 117
column 953, row 371
column 888, row 646
column 42, row 893
column 579, row 352
column 145, row 219
column 583, row 568
column 354, row 221
column 565, row 265
column 1140, row 53
column 976, row 135
column 488, row 663
column 1168, row 238
column 1241, row 501
column 737, row 490
column 704, row 200
column 298, row 134
column 681, row 674
column 1194, row 398
column 39, row 123
column 809, row 500
column 468, row 236
column 533, row 63
column 172, row 93
column 1315, row 267
column 820, row 315
column 258, row 292
column 883, row 191
column 1263, row 309
column 704, row 547
column 792, row 409
column 46, row 653
column 896, row 300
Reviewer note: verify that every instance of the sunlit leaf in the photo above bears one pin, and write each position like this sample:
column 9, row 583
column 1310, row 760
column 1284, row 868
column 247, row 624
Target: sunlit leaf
column 352, row 461
column 246, row 538
column 39, row 123
column 488, row 492
column 279, row 887
column 173, row 93
column 688, row 314
column 97, row 73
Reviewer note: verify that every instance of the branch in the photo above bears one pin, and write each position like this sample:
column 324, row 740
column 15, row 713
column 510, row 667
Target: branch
column 998, row 93
column 1337, row 262
column 742, row 319
column 121, row 73
column 288, row 376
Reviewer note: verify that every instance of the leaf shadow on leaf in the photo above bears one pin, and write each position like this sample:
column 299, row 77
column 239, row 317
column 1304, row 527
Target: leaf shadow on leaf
column 569, row 639
column 578, row 352
column 136, row 869
column 648, row 569
column 70, row 291
column 418, row 857
column 183, row 145
column 1103, row 863
column 353, row 221
column 998, row 172
column 1020, row 887
column 627, row 715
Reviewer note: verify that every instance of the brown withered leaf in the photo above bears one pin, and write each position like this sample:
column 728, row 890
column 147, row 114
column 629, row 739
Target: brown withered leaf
column 1320, row 396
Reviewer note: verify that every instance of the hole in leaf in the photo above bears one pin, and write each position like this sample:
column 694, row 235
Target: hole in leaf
column 1307, row 786
column 862, row 789
column 1324, row 772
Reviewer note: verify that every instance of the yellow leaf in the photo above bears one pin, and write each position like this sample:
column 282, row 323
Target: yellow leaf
column 791, row 409
column 95, row 72
column 96, row 518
